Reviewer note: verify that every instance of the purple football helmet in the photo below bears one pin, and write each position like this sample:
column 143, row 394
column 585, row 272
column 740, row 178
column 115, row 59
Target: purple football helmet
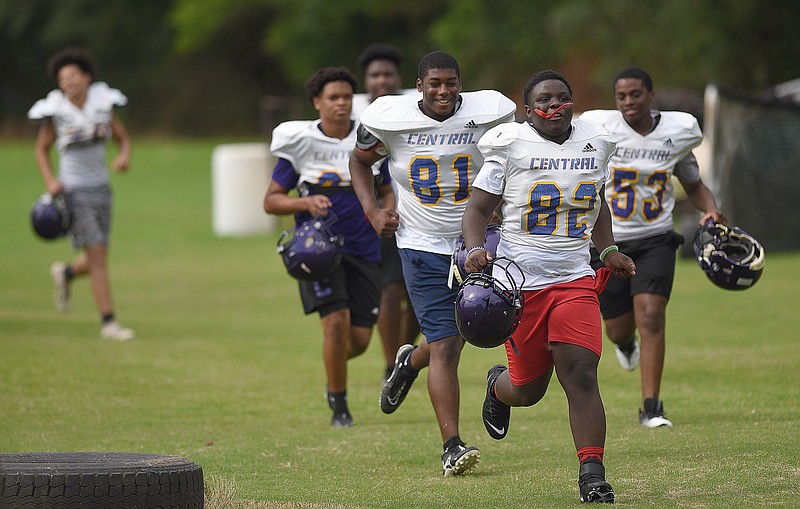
column 49, row 217
column 310, row 251
column 460, row 254
column 731, row 258
column 487, row 311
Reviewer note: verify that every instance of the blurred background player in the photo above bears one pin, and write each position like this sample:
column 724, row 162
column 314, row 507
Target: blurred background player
column 652, row 146
column 78, row 119
column 397, row 323
column 431, row 145
column 550, row 172
column 312, row 157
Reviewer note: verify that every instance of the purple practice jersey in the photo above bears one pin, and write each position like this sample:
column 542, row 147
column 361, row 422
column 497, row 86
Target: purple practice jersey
column 317, row 164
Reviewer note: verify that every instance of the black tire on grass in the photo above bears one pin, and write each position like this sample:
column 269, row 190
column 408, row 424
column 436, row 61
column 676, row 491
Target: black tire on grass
column 99, row 480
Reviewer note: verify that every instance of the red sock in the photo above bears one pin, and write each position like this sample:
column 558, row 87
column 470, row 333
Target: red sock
column 590, row 453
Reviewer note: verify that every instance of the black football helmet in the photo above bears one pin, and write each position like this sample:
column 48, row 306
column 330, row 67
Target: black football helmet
column 310, row 251
column 488, row 311
column 49, row 217
column 459, row 257
column 731, row 258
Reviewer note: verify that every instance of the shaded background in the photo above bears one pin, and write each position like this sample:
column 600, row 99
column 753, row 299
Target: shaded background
column 236, row 67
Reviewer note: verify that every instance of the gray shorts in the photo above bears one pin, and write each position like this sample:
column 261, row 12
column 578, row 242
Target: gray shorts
column 90, row 212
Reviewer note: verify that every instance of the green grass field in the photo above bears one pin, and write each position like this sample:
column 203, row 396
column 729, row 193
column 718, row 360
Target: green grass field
column 227, row 371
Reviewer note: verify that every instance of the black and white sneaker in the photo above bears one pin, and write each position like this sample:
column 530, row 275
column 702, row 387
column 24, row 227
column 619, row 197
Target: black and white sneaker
column 342, row 419
column 458, row 458
column 593, row 485
column 399, row 382
column 628, row 355
column 653, row 414
column 496, row 414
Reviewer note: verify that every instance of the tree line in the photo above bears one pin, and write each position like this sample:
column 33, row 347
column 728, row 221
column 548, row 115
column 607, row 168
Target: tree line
column 202, row 67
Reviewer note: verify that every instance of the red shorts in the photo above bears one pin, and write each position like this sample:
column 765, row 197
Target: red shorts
column 563, row 313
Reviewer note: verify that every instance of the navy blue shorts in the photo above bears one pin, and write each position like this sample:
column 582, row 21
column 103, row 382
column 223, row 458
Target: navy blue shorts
column 434, row 303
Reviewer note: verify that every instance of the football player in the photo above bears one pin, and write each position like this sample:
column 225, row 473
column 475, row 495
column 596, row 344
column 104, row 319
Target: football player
column 312, row 157
column 432, row 148
column 78, row 120
column 397, row 323
column 550, row 172
column 652, row 146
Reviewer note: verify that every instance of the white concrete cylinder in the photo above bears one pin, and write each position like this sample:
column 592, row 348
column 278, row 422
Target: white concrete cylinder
column 240, row 174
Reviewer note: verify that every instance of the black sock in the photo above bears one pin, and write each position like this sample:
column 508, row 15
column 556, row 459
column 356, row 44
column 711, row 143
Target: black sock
column 338, row 401
column 407, row 364
column 452, row 442
column 108, row 317
column 629, row 346
column 68, row 273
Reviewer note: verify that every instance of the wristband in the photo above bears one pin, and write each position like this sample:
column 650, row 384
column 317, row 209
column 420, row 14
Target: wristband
column 606, row 251
column 474, row 248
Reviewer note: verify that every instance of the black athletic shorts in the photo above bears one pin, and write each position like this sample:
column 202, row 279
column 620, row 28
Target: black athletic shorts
column 354, row 285
column 655, row 270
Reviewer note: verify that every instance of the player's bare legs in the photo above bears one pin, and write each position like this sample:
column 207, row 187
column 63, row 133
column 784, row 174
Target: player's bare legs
column 522, row 395
column 621, row 329
column 335, row 345
column 443, row 384
column 93, row 261
column 397, row 323
column 576, row 369
column 650, row 312
column 341, row 342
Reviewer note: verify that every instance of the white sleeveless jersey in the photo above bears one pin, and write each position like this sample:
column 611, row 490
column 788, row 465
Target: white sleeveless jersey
column 318, row 159
column 551, row 195
column 639, row 191
column 82, row 134
column 434, row 163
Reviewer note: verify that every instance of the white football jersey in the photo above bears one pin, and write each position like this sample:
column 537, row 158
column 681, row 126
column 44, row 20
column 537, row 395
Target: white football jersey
column 551, row 197
column 361, row 101
column 640, row 192
column 82, row 133
column 434, row 163
column 317, row 158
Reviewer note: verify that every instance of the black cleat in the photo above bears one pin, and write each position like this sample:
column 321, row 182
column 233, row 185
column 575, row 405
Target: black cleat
column 399, row 382
column 593, row 485
column 459, row 458
column 496, row 414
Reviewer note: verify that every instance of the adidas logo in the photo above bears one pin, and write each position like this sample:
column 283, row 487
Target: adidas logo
column 471, row 125
column 669, row 143
column 589, row 148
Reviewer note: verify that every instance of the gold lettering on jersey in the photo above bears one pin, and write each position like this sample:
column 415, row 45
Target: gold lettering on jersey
column 563, row 163
column 441, row 139
column 642, row 153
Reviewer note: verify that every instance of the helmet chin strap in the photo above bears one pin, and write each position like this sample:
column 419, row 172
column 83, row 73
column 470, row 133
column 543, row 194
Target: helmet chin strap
column 548, row 117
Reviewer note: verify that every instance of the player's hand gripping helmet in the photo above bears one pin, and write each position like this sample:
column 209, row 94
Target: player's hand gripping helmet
column 488, row 311
column 731, row 258
column 49, row 217
column 459, row 272
column 311, row 251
